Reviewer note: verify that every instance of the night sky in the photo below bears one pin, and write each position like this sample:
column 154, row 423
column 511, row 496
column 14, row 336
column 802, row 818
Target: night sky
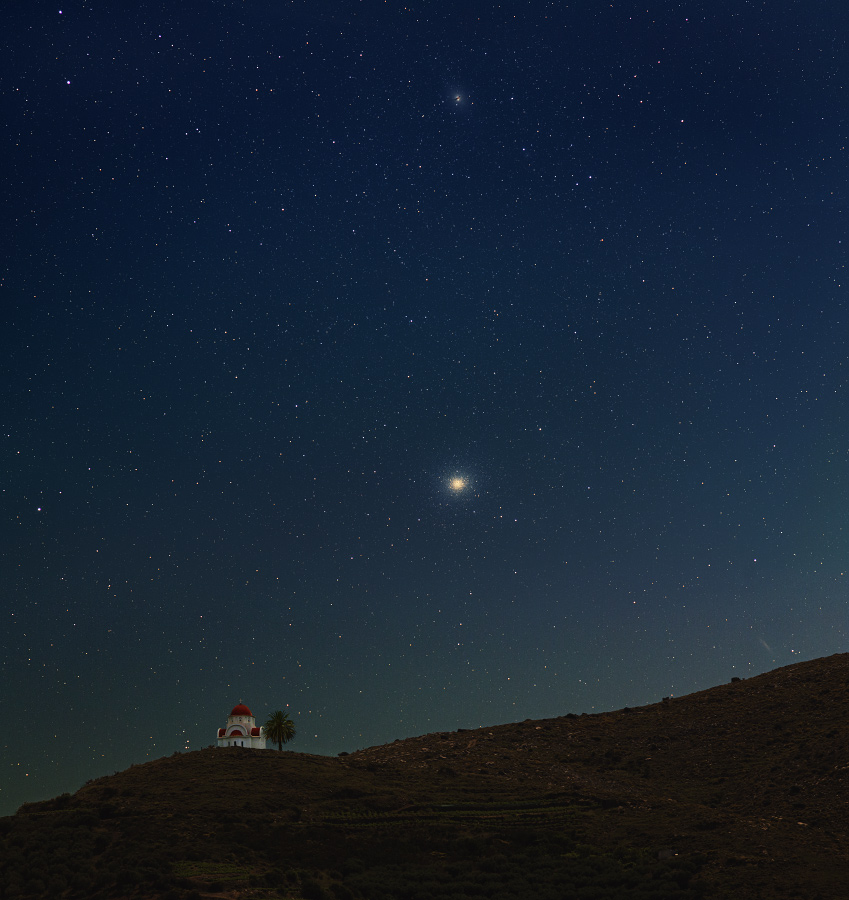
column 412, row 368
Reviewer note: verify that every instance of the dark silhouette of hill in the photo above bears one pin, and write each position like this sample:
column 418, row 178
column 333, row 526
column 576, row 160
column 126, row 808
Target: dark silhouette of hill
column 734, row 792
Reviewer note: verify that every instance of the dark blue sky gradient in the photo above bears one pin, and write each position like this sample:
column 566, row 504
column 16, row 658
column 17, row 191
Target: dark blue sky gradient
column 274, row 273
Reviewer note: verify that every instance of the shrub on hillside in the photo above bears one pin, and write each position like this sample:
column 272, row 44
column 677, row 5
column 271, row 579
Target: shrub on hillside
column 312, row 890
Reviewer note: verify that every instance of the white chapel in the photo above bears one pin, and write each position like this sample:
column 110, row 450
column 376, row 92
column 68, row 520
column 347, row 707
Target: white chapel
column 241, row 730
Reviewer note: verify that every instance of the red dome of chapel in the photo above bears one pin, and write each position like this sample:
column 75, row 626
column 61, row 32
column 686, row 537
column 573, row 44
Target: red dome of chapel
column 240, row 710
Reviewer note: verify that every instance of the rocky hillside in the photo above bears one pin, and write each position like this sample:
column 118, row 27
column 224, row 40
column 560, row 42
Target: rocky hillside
column 739, row 791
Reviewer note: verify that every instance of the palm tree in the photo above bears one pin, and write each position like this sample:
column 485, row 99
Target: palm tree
column 279, row 728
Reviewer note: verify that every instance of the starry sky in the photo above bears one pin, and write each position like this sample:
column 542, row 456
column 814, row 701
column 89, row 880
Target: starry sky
column 412, row 367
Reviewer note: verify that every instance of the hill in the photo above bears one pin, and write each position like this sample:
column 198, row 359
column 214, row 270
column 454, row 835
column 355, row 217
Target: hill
column 738, row 791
